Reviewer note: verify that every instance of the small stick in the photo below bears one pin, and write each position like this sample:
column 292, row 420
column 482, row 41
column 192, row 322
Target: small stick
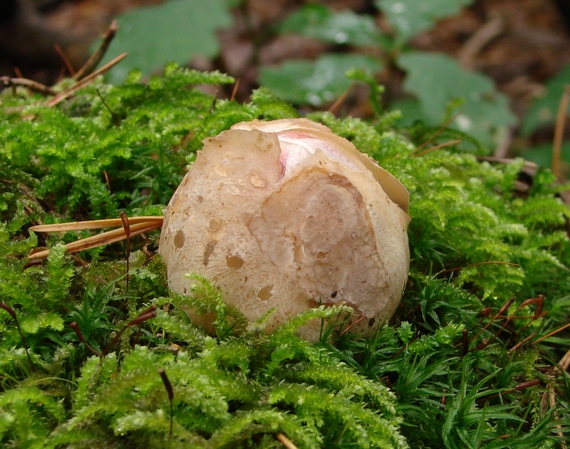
column 520, row 343
column 552, row 400
column 559, row 132
column 565, row 361
column 505, row 306
column 116, row 122
column 127, row 229
column 480, row 39
column 437, row 147
column 85, row 81
column 487, row 262
column 519, row 387
column 285, row 441
column 12, row 313
column 30, row 84
column 550, row 334
column 79, row 334
column 105, row 238
column 106, row 175
column 141, row 318
column 437, row 133
column 95, row 224
column 169, row 391
column 338, row 103
column 350, row 326
column 98, row 55
column 234, row 90
column 65, row 59
column 539, row 301
column 506, row 160
column 18, row 72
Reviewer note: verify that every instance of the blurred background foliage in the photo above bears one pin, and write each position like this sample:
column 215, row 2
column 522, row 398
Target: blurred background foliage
column 495, row 69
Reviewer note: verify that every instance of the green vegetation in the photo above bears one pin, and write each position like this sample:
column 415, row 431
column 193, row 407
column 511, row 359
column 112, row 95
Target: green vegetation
column 354, row 41
column 360, row 44
column 469, row 361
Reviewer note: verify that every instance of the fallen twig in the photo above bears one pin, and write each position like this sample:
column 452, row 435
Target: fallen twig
column 435, row 134
column 437, row 147
column 85, row 81
column 137, row 225
column 550, row 334
column 65, row 59
column 285, row 441
column 98, row 55
column 559, row 132
column 94, row 224
column 6, row 81
column 340, row 100
column 480, row 39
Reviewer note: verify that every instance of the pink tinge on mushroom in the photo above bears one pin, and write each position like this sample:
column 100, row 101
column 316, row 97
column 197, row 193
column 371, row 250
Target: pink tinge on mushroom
column 284, row 216
column 297, row 146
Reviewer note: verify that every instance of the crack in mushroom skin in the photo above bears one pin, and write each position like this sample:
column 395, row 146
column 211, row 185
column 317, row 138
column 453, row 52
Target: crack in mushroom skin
column 281, row 215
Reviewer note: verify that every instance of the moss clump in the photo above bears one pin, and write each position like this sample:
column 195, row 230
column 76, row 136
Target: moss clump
column 456, row 368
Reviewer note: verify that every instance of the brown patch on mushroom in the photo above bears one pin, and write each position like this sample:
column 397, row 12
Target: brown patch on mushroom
column 208, row 252
column 179, row 239
column 265, row 293
column 234, row 262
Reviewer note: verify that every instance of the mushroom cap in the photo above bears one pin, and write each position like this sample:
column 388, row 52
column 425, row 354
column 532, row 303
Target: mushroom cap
column 286, row 215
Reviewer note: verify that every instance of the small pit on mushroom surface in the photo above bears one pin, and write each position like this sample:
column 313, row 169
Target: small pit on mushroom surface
column 213, row 225
column 234, row 262
column 179, row 239
column 265, row 293
column 208, row 252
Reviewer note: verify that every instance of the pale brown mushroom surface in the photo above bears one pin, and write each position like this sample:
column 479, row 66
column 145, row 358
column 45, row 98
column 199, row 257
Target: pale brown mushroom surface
column 286, row 215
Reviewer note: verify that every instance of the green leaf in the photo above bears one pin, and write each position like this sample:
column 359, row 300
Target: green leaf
column 345, row 27
column 411, row 17
column 543, row 110
column 176, row 30
column 439, row 83
column 315, row 82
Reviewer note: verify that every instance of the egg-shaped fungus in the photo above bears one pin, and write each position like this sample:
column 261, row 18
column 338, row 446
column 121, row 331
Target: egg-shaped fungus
column 286, row 215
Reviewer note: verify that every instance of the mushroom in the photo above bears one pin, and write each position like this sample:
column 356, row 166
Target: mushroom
column 285, row 215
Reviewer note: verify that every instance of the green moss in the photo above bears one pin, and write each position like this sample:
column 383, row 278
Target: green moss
column 443, row 374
